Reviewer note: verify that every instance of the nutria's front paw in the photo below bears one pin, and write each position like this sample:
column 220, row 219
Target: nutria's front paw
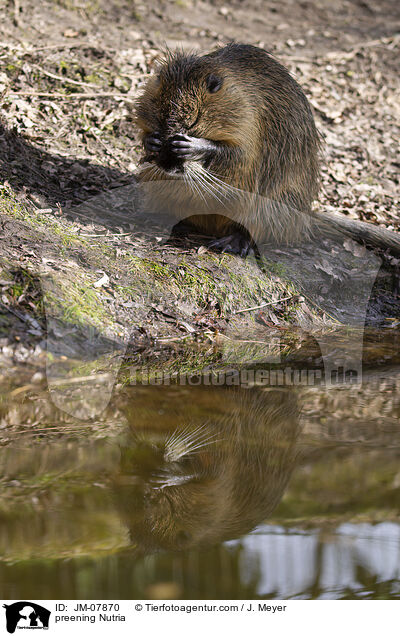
column 152, row 143
column 186, row 147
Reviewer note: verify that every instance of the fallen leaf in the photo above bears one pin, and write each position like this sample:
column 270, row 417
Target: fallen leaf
column 70, row 33
column 103, row 281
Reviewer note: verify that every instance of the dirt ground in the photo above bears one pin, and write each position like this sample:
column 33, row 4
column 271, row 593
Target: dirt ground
column 70, row 71
column 344, row 54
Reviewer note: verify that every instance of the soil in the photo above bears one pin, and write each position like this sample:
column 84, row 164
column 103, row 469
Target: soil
column 69, row 74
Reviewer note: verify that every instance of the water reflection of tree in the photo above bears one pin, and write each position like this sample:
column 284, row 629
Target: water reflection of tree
column 220, row 572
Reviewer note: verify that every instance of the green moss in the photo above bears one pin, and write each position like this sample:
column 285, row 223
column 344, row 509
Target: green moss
column 177, row 279
column 370, row 180
column 13, row 68
column 216, row 284
column 94, row 78
column 276, row 268
column 8, row 202
column 76, row 302
column 9, row 205
column 160, row 271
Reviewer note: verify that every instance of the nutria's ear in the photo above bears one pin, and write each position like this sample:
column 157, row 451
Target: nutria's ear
column 214, row 83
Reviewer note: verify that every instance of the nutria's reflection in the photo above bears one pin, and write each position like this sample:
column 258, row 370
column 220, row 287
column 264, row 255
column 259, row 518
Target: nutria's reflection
column 201, row 482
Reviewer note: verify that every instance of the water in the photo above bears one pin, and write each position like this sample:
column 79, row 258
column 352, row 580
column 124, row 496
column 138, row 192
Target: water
column 181, row 492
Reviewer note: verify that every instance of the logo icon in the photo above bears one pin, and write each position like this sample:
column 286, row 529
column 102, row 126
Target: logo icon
column 26, row 615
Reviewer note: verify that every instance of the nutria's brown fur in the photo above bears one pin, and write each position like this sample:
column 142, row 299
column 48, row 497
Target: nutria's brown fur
column 236, row 115
column 230, row 136
column 206, row 481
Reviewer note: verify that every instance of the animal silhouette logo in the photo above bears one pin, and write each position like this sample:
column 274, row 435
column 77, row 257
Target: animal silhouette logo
column 26, row 615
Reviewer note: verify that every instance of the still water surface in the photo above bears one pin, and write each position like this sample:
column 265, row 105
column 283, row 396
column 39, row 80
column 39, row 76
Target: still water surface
column 203, row 492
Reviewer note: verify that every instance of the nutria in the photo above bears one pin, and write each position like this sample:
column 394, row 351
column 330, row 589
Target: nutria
column 234, row 127
column 235, row 118
column 187, row 482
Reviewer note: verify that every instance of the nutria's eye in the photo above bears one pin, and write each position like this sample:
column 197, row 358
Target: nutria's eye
column 214, row 83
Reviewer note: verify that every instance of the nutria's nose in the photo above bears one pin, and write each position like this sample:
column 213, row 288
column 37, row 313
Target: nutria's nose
column 167, row 159
column 169, row 163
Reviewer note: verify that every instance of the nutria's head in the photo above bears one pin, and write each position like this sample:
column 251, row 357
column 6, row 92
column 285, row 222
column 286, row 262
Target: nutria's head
column 192, row 95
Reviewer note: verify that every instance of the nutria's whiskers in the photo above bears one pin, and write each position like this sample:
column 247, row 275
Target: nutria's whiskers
column 212, row 184
column 164, row 479
column 193, row 186
column 183, row 442
column 197, row 177
column 226, row 186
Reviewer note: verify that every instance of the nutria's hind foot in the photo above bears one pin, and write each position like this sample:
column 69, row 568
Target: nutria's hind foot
column 236, row 243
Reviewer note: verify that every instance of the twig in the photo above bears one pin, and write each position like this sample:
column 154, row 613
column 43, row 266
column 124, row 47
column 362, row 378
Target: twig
column 68, row 96
column 23, row 317
column 72, row 212
column 22, row 389
column 272, row 302
column 87, row 378
column 109, row 235
column 170, row 339
column 16, row 13
column 39, row 431
column 300, row 60
column 61, row 78
column 362, row 45
column 345, row 55
column 56, row 46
